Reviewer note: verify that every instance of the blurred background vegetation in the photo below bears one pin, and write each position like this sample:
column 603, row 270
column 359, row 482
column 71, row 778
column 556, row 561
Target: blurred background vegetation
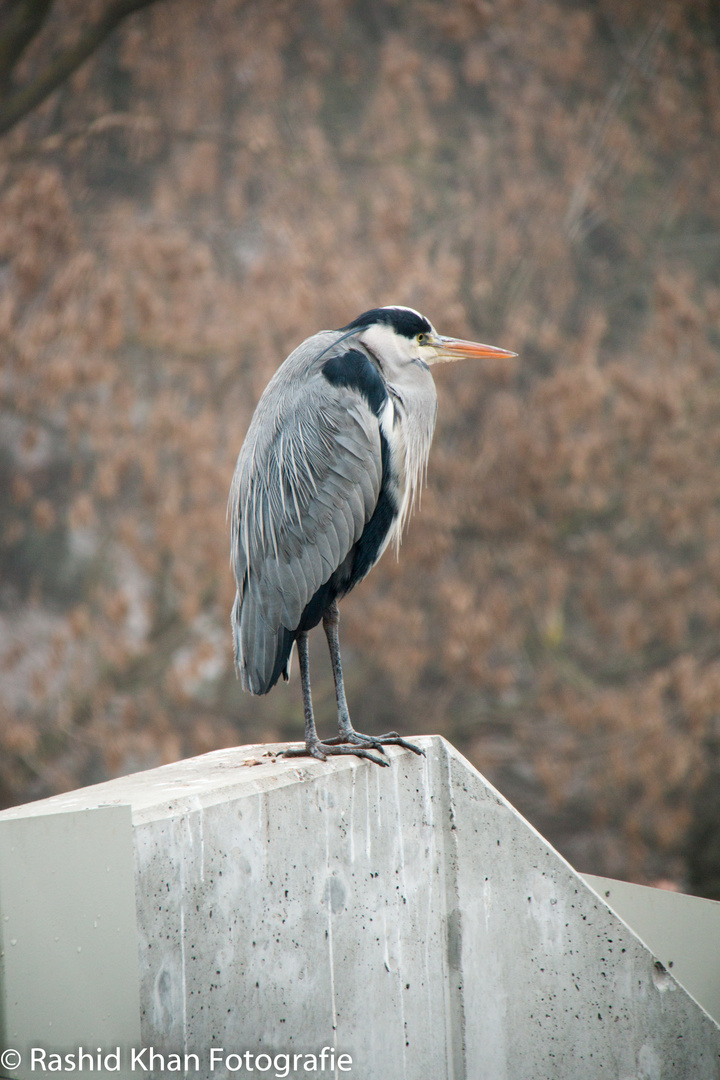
column 221, row 179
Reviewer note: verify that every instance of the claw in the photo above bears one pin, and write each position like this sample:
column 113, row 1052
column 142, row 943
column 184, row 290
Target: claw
column 354, row 738
column 397, row 741
column 391, row 738
column 322, row 751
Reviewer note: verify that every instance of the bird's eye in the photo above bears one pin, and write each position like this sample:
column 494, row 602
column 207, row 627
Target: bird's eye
column 421, row 339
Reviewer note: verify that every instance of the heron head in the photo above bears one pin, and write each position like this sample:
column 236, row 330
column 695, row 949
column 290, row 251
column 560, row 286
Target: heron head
column 404, row 334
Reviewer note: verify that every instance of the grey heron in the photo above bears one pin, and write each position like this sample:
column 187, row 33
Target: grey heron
column 331, row 464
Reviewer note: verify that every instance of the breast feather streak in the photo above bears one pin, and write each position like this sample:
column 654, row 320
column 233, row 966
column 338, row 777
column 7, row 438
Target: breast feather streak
column 409, row 447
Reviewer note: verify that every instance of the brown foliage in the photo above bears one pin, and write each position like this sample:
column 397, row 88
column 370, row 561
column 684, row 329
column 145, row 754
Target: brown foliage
column 224, row 179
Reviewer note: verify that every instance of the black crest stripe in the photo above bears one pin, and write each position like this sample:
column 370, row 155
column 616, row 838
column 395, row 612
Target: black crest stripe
column 403, row 321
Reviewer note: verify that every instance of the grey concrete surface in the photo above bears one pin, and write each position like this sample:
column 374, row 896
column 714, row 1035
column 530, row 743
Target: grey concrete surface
column 407, row 917
column 682, row 931
column 68, row 969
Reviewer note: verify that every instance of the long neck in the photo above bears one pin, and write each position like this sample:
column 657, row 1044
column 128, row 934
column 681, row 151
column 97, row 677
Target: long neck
column 415, row 404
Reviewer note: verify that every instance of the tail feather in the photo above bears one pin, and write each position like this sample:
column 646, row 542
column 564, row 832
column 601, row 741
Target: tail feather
column 262, row 654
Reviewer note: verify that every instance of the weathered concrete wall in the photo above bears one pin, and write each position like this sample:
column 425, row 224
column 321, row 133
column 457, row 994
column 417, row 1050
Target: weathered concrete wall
column 682, row 931
column 407, row 917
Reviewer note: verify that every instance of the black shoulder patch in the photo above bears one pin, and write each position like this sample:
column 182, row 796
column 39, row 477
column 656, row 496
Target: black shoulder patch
column 355, row 371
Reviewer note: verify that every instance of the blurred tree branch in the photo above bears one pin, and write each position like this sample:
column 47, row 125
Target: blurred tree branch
column 20, row 23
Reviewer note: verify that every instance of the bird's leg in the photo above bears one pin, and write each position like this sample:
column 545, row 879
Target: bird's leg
column 313, row 746
column 331, row 626
column 348, row 734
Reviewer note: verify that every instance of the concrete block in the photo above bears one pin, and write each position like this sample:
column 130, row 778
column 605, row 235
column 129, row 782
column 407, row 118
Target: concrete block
column 408, row 918
column 68, row 972
column 683, row 932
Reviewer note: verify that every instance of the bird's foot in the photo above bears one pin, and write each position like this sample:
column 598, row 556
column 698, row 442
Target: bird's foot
column 322, row 750
column 356, row 738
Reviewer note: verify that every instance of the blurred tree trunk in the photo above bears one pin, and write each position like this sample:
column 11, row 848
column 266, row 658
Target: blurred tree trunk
column 20, row 23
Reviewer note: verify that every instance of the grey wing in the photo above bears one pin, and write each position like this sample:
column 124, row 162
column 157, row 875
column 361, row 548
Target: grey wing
column 307, row 482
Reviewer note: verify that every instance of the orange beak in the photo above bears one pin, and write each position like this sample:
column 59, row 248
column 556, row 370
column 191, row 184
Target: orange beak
column 448, row 349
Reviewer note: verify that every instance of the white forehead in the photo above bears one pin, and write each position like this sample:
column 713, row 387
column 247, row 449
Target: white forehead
column 401, row 307
column 411, row 311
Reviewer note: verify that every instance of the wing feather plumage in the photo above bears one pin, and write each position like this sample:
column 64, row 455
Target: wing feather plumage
column 306, row 483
